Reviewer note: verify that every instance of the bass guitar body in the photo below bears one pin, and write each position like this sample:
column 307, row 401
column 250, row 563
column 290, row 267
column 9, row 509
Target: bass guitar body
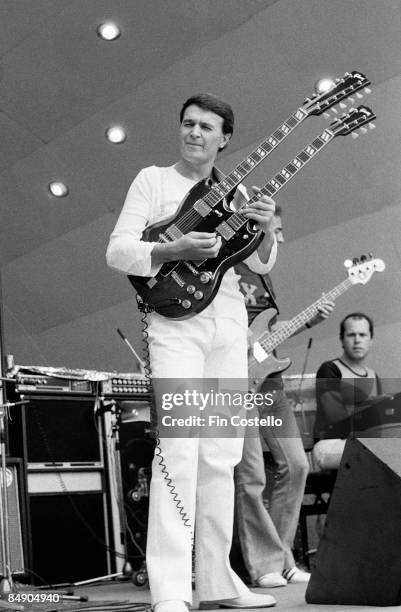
column 262, row 363
column 182, row 289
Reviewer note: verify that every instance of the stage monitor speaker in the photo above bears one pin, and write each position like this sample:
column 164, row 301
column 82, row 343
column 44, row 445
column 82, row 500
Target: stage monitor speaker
column 358, row 561
column 17, row 527
column 69, row 526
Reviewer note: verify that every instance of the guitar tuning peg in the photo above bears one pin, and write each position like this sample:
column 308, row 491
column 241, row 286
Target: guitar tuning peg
column 342, row 105
column 363, row 258
column 348, row 263
column 354, row 135
column 372, row 126
column 359, row 95
column 326, row 115
column 370, row 255
column 355, row 261
column 364, row 130
column 367, row 90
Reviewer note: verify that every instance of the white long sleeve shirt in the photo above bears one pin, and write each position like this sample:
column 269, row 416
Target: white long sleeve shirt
column 155, row 195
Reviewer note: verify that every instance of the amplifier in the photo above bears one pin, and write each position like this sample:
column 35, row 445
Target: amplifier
column 122, row 385
column 38, row 383
column 56, row 432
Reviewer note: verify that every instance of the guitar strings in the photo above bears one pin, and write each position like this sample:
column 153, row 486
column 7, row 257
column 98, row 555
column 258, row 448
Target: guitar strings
column 266, row 147
column 220, row 191
column 237, row 219
column 275, row 338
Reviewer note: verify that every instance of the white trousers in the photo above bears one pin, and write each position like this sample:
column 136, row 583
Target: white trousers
column 201, row 469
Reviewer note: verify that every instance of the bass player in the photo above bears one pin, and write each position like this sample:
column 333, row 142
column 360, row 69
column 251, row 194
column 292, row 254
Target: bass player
column 266, row 537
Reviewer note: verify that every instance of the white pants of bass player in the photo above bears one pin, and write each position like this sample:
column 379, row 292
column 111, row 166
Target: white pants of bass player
column 201, row 469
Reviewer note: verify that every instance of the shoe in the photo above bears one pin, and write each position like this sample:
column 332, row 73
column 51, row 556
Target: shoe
column 271, row 580
column 296, row 576
column 250, row 600
column 170, row 605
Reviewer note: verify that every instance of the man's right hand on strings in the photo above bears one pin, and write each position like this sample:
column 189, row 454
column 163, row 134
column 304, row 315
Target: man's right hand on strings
column 193, row 246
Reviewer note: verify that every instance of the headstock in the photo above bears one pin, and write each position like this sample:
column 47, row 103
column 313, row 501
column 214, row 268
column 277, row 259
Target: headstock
column 349, row 122
column 351, row 83
column 361, row 270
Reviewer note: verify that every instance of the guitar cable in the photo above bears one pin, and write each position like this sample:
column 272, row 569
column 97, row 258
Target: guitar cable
column 146, row 309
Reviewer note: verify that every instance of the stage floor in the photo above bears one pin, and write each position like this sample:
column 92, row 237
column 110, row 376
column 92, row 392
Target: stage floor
column 289, row 598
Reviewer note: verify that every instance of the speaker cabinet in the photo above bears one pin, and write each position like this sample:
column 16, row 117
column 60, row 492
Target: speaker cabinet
column 61, row 438
column 358, row 561
column 17, row 520
column 69, row 525
column 57, row 430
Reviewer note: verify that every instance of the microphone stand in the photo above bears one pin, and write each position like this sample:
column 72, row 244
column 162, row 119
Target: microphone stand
column 133, row 351
column 300, row 401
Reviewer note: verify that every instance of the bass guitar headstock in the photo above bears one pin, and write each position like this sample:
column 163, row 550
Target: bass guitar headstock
column 361, row 270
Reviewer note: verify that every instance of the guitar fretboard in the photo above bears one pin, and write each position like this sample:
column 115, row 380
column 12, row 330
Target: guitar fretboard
column 222, row 189
column 271, row 340
column 228, row 228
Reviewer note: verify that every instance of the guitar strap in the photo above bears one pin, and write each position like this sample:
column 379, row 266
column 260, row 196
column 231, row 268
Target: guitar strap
column 268, row 285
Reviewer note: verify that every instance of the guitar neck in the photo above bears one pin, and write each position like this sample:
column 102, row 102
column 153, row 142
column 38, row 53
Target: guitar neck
column 226, row 185
column 271, row 340
column 237, row 220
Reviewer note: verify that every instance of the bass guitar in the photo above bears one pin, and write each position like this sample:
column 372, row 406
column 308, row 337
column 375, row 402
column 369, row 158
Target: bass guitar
column 182, row 289
column 262, row 362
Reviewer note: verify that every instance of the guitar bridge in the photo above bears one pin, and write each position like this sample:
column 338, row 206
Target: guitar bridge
column 191, row 267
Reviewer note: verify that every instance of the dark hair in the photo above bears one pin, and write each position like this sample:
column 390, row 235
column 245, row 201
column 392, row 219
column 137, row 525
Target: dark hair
column 356, row 315
column 209, row 102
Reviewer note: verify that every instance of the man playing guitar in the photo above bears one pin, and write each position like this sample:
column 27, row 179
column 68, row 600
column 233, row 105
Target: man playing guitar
column 211, row 344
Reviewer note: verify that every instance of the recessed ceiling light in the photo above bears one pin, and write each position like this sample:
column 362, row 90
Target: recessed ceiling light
column 58, row 189
column 116, row 134
column 108, row 30
column 324, row 84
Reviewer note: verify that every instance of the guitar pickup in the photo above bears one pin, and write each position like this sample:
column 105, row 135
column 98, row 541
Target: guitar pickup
column 202, row 208
column 258, row 352
column 225, row 231
column 172, row 233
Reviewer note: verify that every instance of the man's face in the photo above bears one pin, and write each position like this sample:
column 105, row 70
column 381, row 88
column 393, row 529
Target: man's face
column 277, row 228
column 201, row 135
column 357, row 340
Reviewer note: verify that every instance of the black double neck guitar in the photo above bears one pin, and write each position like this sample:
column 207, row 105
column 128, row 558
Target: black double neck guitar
column 182, row 289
